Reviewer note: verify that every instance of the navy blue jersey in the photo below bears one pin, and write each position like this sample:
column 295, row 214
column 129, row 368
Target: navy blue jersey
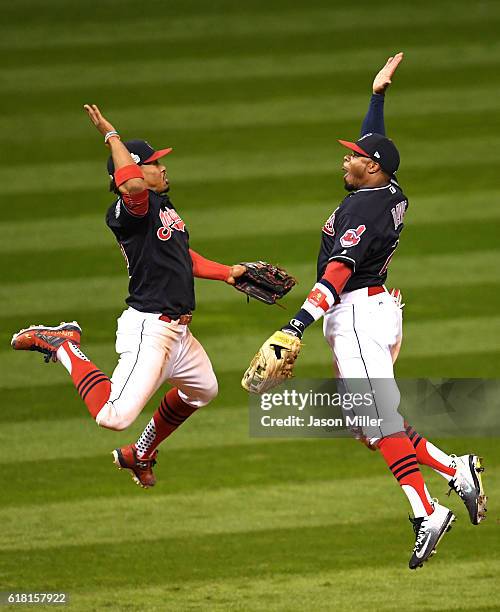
column 156, row 249
column 363, row 233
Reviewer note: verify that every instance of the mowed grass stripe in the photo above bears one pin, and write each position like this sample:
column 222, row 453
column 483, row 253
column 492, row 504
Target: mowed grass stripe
column 279, row 218
column 34, row 405
column 442, row 337
column 219, row 557
column 186, row 470
column 92, row 33
column 79, row 437
column 324, row 590
column 275, row 505
column 61, row 297
column 51, row 177
column 271, row 111
column 193, row 470
column 322, row 186
column 58, row 77
column 452, row 238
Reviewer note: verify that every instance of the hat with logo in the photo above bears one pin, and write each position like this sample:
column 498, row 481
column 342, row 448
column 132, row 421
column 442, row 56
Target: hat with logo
column 141, row 152
column 377, row 147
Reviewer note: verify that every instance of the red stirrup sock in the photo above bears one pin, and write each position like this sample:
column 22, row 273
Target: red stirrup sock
column 171, row 413
column 428, row 454
column 93, row 386
column 400, row 456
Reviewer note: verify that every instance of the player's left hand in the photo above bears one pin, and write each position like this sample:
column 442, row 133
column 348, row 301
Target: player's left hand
column 383, row 78
column 236, row 271
column 272, row 364
column 95, row 115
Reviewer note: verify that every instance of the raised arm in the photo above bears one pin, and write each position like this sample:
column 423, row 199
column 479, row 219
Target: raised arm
column 128, row 175
column 374, row 119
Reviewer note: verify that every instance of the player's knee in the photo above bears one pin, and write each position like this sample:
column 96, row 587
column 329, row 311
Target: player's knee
column 111, row 418
column 212, row 391
column 201, row 396
column 115, row 424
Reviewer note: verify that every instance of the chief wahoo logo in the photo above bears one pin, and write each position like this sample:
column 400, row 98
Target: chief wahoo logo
column 170, row 220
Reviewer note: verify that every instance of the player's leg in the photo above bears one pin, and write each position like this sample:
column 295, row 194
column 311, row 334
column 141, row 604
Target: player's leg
column 62, row 343
column 360, row 339
column 361, row 334
column 462, row 473
column 194, row 385
column 145, row 344
column 429, row 454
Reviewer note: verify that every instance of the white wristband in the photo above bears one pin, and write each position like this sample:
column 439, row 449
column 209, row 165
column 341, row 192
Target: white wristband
column 109, row 134
column 319, row 301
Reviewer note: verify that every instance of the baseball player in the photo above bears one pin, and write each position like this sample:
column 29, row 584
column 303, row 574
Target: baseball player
column 153, row 338
column 363, row 322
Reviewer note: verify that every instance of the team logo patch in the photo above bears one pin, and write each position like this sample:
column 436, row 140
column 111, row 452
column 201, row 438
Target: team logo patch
column 136, row 158
column 170, row 221
column 328, row 228
column 352, row 236
column 318, row 298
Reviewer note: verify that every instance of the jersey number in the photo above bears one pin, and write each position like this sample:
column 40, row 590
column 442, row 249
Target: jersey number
column 383, row 269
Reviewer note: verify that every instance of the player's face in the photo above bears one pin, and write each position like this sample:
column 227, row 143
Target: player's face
column 155, row 176
column 355, row 171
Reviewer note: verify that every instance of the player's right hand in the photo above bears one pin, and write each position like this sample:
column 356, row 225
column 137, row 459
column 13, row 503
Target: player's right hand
column 102, row 124
column 383, row 78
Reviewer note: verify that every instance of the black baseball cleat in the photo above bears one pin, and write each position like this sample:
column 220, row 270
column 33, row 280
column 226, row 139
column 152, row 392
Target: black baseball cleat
column 428, row 531
column 468, row 485
column 45, row 339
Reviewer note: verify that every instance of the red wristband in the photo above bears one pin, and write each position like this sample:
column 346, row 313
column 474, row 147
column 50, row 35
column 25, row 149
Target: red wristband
column 122, row 175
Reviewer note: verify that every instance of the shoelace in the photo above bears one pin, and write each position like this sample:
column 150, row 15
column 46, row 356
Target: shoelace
column 145, row 463
column 419, row 532
column 419, row 527
column 454, row 485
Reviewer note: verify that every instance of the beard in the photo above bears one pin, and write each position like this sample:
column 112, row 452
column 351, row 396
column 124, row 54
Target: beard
column 349, row 186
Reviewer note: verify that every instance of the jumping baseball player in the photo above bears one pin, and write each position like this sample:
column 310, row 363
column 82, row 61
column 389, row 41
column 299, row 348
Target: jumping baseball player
column 363, row 322
column 153, row 337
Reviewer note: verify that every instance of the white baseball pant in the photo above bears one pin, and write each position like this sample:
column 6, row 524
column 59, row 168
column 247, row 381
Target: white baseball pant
column 364, row 332
column 153, row 352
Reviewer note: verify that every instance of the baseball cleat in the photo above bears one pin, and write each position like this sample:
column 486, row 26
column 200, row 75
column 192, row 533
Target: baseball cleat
column 125, row 458
column 468, row 485
column 45, row 339
column 428, row 531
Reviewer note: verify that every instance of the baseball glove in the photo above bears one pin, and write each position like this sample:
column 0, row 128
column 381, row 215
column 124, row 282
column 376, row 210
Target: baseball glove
column 272, row 364
column 264, row 282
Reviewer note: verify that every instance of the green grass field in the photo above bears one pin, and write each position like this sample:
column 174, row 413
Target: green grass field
column 252, row 97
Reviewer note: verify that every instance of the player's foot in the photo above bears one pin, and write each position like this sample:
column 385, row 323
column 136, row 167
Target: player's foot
column 141, row 469
column 468, row 485
column 45, row 339
column 428, row 531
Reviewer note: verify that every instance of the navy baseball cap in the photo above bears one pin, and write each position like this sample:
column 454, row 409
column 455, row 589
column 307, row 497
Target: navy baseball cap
column 142, row 153
column 377, row 147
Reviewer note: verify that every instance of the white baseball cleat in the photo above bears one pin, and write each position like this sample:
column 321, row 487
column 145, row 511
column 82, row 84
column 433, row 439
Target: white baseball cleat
column 468, row 485
column 428, row 531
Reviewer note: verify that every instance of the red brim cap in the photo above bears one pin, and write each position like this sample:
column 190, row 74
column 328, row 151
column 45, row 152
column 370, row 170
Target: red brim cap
column 157, row 154
column 354, row 147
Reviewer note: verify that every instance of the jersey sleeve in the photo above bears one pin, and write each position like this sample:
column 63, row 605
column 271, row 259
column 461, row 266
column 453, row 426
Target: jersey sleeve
column 374, row 120
column 123, row 217
column 354, row 235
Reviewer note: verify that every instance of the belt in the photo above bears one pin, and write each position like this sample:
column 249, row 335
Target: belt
column 184, row 319
column 376, row 290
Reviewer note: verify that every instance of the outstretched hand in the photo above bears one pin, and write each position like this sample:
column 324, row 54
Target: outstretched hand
column 235, row 272
column 383, row 79
column 102, row 124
